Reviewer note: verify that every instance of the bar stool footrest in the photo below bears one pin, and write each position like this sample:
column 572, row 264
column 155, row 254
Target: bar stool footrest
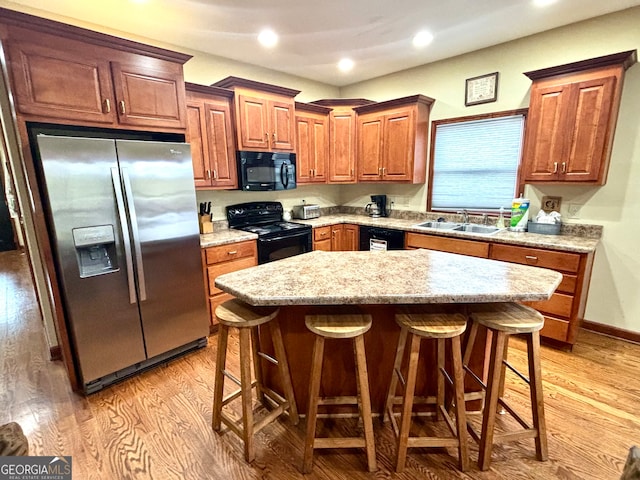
column 339, row 442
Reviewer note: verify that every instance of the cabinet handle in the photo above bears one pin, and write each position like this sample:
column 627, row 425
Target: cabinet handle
column 274, row 137
column 380, row 171
column 208, row 173
column 215, row 175
column 352, row 172
column 232, row 252
column 107, row 106
column 123, row 111
column 384, row 171
column 564, row 167
column 311, row 172
column 555, row 167
column 266, row 137
column 531, row 258
column 314, row 172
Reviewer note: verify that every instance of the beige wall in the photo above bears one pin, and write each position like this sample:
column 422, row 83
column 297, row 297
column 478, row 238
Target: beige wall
column 613, row 297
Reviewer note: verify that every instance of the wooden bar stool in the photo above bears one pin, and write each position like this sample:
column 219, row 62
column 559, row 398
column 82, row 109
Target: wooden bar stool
column 428, row 323
column 503, row 320
column 247, row 319
column 341, row 325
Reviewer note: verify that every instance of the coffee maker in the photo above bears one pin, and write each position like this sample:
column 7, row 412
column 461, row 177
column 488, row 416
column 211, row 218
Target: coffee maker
column 378, row 206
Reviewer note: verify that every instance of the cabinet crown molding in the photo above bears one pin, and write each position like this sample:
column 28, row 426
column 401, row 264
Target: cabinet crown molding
column 235, row 82
column 208, row 90
column 313, row 108
column 343, row 102
column 626, row 59
column 413, row 99
column 52, row 27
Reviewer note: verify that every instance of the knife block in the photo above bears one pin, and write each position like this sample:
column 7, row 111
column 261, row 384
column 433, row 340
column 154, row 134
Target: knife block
column 206, row 225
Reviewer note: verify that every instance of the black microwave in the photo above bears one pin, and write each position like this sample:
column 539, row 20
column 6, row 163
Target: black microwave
column 260, row 171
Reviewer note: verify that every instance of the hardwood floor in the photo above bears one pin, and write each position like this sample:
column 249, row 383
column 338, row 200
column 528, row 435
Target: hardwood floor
column 157, row 425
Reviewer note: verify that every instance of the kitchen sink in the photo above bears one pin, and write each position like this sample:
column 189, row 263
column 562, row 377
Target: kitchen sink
column 474, row 228
column 440, row 225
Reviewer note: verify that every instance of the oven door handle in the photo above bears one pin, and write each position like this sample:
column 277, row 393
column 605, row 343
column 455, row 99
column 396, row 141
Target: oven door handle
column 302, row 234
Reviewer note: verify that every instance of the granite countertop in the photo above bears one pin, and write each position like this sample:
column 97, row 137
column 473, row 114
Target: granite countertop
column 392, row 277
column 569, row 243
column 576, row 242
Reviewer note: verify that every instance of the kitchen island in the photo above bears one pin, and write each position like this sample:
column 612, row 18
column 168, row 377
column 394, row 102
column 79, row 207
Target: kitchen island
column 376, row 283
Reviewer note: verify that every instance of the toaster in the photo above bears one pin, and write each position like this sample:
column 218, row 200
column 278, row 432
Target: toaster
column 305, row 212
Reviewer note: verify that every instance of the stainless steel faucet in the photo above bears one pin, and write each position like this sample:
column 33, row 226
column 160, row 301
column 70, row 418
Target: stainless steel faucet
column 465, row 215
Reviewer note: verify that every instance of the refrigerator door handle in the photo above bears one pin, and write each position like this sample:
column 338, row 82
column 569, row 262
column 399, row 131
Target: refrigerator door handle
column 117, row 188
column 135, row 234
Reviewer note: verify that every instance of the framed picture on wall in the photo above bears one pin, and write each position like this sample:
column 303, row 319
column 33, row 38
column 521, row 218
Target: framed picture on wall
column 481, row 89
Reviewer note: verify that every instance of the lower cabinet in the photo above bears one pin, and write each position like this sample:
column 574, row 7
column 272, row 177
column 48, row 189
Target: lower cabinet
column 564, row 311
column 220, row 260
column 342, row 237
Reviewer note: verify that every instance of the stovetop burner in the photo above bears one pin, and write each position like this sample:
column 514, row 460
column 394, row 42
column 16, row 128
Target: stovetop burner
column 262, row 218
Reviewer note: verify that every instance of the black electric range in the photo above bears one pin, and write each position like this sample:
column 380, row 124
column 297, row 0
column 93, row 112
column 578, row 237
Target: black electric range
column 277, row 239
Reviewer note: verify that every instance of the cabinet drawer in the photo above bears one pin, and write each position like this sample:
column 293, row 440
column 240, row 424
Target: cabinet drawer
column 568, row 284
column 555, row 328
column 452, row 245
column 224, row 253
column 559, row 304
column 214, row 271
column 564, row 261
column 324, row 245
column 321, row 233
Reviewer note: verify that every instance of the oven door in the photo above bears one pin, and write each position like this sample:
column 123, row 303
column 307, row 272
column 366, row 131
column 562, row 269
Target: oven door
column 276, row 248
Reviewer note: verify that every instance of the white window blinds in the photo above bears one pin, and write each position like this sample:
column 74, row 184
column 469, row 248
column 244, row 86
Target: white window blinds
column 475, row 164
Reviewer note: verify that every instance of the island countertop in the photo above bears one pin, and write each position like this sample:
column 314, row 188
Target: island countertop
column 391, row 277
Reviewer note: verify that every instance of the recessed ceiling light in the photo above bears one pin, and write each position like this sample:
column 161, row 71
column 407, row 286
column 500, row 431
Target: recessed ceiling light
column 268, row 38
column 543, row 3
column 345, row 65
column 422, row 39
column 139, row 1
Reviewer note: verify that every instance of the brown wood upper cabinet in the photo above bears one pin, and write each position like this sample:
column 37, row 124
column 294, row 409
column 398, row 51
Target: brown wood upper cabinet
column 89, row 78
column 211, row 135
column 342, row 138
column 571, row 122
column 312, row 139
column 264, row 113
column 392, row 140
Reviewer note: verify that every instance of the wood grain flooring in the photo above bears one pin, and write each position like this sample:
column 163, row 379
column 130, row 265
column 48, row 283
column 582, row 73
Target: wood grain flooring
column 158, row 425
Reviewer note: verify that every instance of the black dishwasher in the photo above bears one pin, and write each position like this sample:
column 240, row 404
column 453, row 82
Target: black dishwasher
column 376, row 238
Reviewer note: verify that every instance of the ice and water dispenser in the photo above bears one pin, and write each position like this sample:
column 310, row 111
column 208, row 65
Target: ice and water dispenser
column 95, row 250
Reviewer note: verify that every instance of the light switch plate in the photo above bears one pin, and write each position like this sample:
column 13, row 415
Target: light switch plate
column 573, row 209
column 550, row 204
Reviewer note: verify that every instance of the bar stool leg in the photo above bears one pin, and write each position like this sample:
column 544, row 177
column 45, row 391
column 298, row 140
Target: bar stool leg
column 257, row 364
column 537, row 400
column 283, row 367
column 491, row 400
column 218, row 387
column 407, row 404
column 388, row 406
column 245, row 380
column 365, row 401
column 312, row 411
column 440, row 354
column 461, row 416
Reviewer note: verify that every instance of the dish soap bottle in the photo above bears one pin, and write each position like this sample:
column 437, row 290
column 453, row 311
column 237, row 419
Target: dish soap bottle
column 500, row 223
column 519, row 214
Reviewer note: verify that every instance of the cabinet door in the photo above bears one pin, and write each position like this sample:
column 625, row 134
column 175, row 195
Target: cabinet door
column 588, row 137
column 150, row 97
column 282, row 125
column 399, row 133
column 253, row 131
column 60, row 83
column 304, row 155
column 351, row 238
column 342, row 147
column 546, row 131
column 221, row 146
column 370, row 147
column 337, row 238
column 196, row 136
column 320, row 148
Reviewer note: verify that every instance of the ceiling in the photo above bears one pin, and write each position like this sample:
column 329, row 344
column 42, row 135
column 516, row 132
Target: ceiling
column 316, row 34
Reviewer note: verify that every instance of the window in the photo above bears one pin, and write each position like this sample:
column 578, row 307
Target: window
column 475, row 162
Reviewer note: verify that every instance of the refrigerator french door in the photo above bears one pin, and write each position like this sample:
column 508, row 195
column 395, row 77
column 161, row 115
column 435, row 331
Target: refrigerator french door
column 126, row 243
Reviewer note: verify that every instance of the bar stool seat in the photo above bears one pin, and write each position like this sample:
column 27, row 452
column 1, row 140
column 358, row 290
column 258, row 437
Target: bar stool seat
column 417, row 324
column 247, row 319
column 339, row 326
column 503, row 320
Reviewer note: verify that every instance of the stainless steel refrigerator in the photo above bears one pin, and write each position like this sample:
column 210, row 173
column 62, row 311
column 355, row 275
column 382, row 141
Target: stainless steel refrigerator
column 122, row 217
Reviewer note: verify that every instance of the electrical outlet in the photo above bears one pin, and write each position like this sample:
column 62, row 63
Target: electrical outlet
column 573, row 209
